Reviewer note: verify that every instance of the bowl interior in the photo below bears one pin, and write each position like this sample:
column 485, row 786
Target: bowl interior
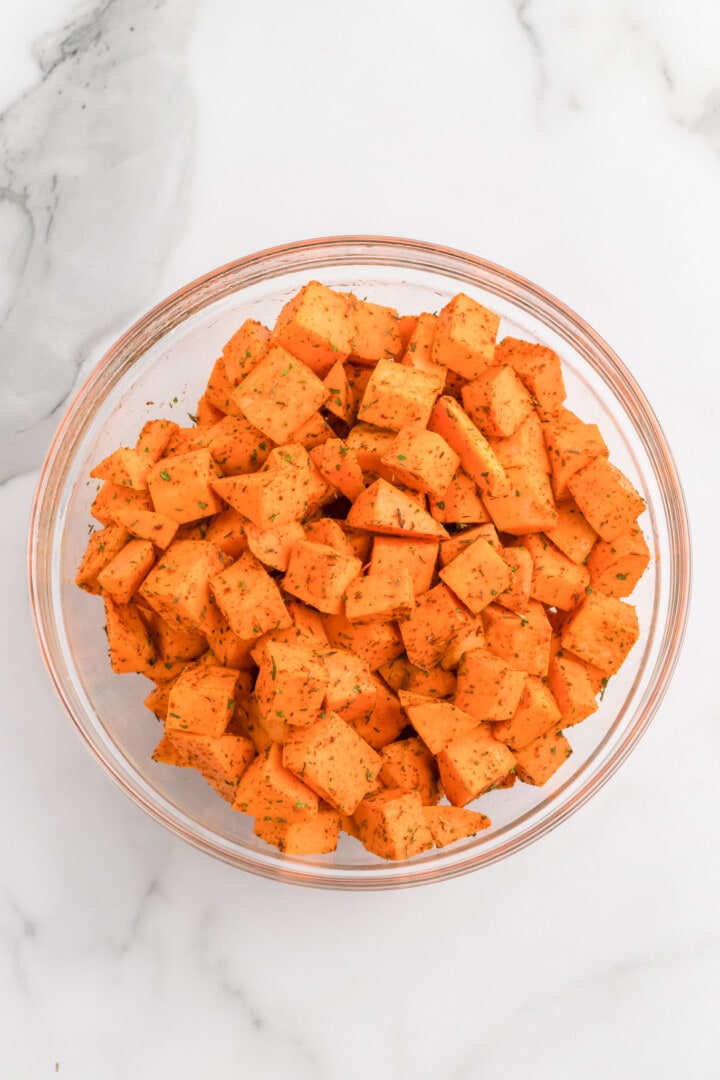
column 159, row 369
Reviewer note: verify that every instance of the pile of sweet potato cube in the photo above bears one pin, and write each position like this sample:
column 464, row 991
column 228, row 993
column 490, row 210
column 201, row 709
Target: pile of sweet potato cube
column 380, row 575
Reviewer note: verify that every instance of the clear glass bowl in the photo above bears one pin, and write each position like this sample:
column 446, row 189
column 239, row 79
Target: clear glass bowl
column 159, row 367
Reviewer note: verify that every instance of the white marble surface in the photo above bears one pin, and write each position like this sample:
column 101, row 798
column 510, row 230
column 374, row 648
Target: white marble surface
column 143, row 142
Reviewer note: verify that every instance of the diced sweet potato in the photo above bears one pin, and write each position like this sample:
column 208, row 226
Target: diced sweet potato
column 350, row 682
column 111, row 498
column 370, row 444
column 127, row 570
column 343, row 401
column 408, row 765
column 556, row 580
column 129, row 643
column 539, row 370
column 202, row 701
column 476, row 455
column 436, row 722
column 448, row 824
column 125, row 468
column 572, row 533
column 178, row 586
column 382, row 721
column 536, row 713
column 316, row 327
column 237, row 447
column 239, row 355
column 314, row 432
column 279, row 394
column 103, row 546
column 267, row 499
column 396, row 396
column 451, row 548
column 181, row 487
column 147, row 525
column 333, row 760
column 375, row 333
column 434, row 683
column 374, row 642
column 487, row 687
column 517, row 596
column 525, row 447
column 383, row 508
column 437, row 619
column 606, row 498
column 222, row 759
column 421, row 460
column 496, row 401
column 291, row 683
column 521, row 639
column 460, row 503
column 391, row 824
column 154, row 437
column 418, row 352
column 601, row 631
column 572, row 688
column 319, row 575
column 385, row 596
column 528, row 506
column 473, row 763
column 616, row 566
column 541, row 759
column 391, row 554
column 464, row 339
column 477, row 575
column 268, row 789
column 273, row 546
column 338, row 465
column 316, row 837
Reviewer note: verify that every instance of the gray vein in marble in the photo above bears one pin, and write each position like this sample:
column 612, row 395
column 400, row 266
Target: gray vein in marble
column 95, row 168
column 530, row 34
column 23, row 930
column 152, row 892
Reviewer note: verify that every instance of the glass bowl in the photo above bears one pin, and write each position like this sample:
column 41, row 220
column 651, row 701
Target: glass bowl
column 159, row 367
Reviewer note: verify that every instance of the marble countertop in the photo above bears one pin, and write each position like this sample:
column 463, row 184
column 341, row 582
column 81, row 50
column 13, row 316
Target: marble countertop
column 143, row 142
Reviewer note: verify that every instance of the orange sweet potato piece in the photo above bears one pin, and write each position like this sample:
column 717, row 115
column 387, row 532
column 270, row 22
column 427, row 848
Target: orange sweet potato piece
column 314, row 432
column 407, row 324
column 226, row 646
column 374, row 642
column 291, row 683
column 174, row 642
column 338, row 465
column 103, row 546
column 538, row 761
column 521, row 639
column 606, row 498
column 383, row 508
column 525, row 447
column 476, row 455
column 249, row 598
column 616, row 566
column 572, row 688
column 154, row 438
column 437, row 619
column 477, row 575
column 239, row 356
column 391, row 824
column 125, row 573
column 382, row 721
column 237, row 447
column 375, row 333
column 418, row 351
column 273, row 546
column 381, row 595
column 517, row 596
column 408, row 765
column 496, row 401
column 467, row 641
column 222, row 759
column 539, row 370
column 451, row 548
column 396, row 396
column 556, row 581
column 571, row 444
column 464, row 339
column 460, row 502
column 148, row 525
column 129, row 642
column 316, row 837
column 528, row 506
column 206, row 414
column 572, row 533
column 267, row 789
column 434, row 683
column 333, row 760
column 473, row 763
column 227, row 532
column 601, row 631
column 487, row 687
column 279, row 394
column 448, row 824
column 343, row 401
column 202, row 701
column 178, row 586
column 436, row 722
column 319, row 575
column 166, row 753
column 316, row 327
column 180, row 487
column 391, row 554
column 125, row 468
column 306, row 629
column 351, row 686
column 421, row 460
column 267, row 499
column 536, row 713
column 112, row 498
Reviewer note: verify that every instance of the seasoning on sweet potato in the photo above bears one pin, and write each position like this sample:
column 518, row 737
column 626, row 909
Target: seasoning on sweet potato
column 239, row 356
column 154, row 438
column 111, row 498
column 226, row 531
column 451, row 548
column 521, row 639
column 268, row 789
column 124, row 467
column 172, row 641
column 496, row 401
column 525, row 447
column 528, row 507
column 249, row 598
column 536, row 713
column 421, row 460
column 391, row 554
column 418, row 351
column 436, row 620
column 487, row 687
column 572, row 533
column 383, row 719
column 383, row 508
column 279, row 394
column 267, row 499
column 338, row 465
column 436, row 722
column 375, row 332
column 127, row 570
column 460, row 502
column 434, row 683
column 473, row 763
column 314, row 432
column 616, row 566
column 350, row 683
column 556, row 580
column 333, row 760
column 319, row 836
column 273, row 546
column 542, row 758
column 464, row 339
column 237, row 447
column 397, row 396
column 477, row 575
column 222, row 759
column 374, row 642
column 291, row 683
column 469, row 639
column 391, row 824
column 408, row 765
column 572, row 688
column 129, row 644
column 476, row 455
column 517, row 596
column 178, row 586
column 103, row 546
column 202, row 701
column 606, row 498
column 319, row 575
column 316, row 327
column 343, row 401
column 448, row 824
column 206, row 414
column 539, row 370
column 601, row 631
column 383, row 596
column 148, row 525
column 370, row 444
column 181, row 487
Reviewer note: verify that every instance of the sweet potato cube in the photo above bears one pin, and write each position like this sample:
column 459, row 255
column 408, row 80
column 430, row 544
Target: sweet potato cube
column 525, row 447
column 279, row 394
column 391, row 824
column 374, row 642
column 165, row 753
column 237, row 447
column 222, row 759
column 307, row 629
column 572, row 533
column 408, row 765
column 572, row 444
column 333, row 760
column 206, row 414
column 396, row 396
column 316, row 327
column 174, row 642
column 382, row 721
column 249, row 598
column 319, row 575
column 316, row 837
column 383, row 508
column 126, row 571
column 541, row 758
column 418, row 351
column 314, row 432
column 606, row 498
column 465, row 335
column 556, row 581
column 528, row 507
column 202, row 701
column 273, row 546
column 375, row 333
column 539, row 370
column 436, row 620
column 158, row 699
column 239, row 356
column 421, row 460
column 148, row 525
column 291, row 683
column 602, row 631
column 103, row 546
column 343, row 401
column 383, row 596
column 521, row 639
column 470, row 639
column 473, row 763
column 125, row 468
column 434, row 683
column 448, row 824
column 181, row 487
column 536, row 713
column 436, row 722
column 496, row 401
column 517, row 595
column 407, row 325
column 460, row 503
column 487, row 687
column 572, row 689
column 450, row 549
column 329, row 532
column 616, row 566
column 227, row 532
column 267, row 499
column 369, row 444
column 477, row 575
column 338, row 465
column 268, row 789
column 350, row 682
column 476, row 455
column 391, row 554
column 185, row 440
column 111, row 498
column 154, row 437
column 129, row 643
column 178, row 586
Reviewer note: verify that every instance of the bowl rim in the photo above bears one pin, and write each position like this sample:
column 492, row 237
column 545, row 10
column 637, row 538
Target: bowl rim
column 365, row 249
